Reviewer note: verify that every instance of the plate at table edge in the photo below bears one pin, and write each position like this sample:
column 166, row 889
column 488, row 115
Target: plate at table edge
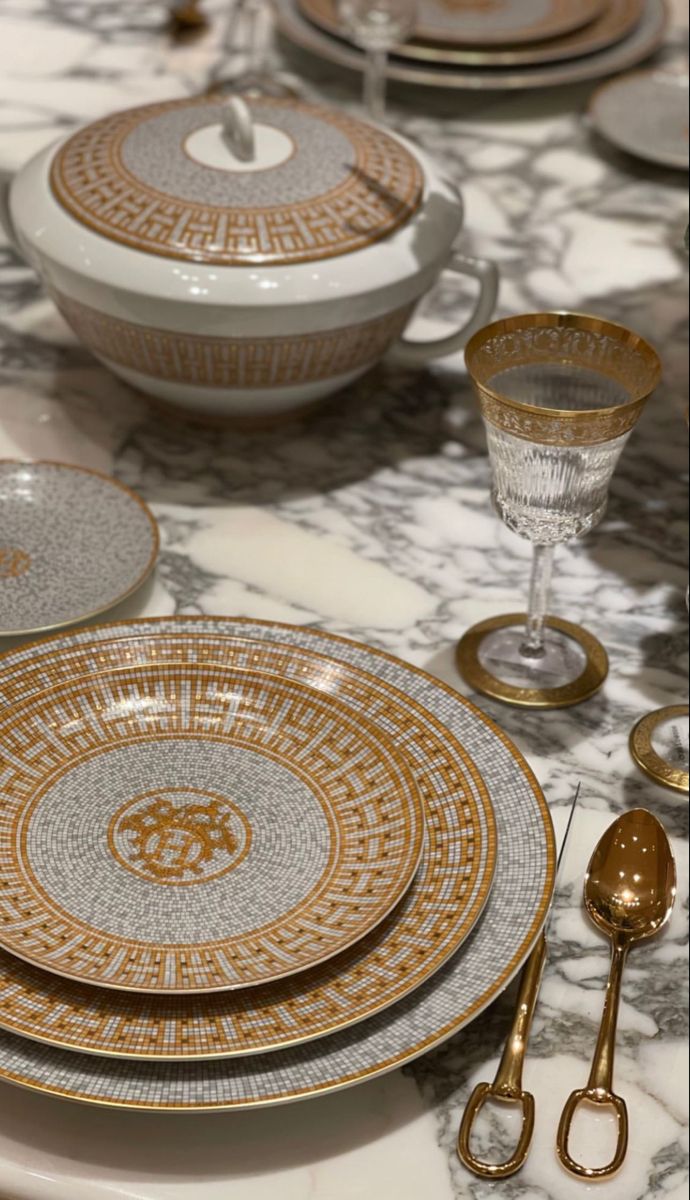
column 101, row 878
column 641, row 43
column 459, row 853
column 614, row 23
column 615, row 131
column 132, row 585
column 456, row 994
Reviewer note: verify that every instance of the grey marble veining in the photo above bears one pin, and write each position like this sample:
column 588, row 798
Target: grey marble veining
column 372, row 519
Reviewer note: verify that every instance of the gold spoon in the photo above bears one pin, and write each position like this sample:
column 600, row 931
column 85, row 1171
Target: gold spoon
column 630, row 888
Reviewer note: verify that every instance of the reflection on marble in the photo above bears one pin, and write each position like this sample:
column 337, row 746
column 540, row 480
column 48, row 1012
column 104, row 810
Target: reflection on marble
column 372, row 519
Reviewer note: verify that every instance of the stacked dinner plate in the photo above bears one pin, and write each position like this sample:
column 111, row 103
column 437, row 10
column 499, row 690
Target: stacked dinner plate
column 244, row 863
column 492, row 44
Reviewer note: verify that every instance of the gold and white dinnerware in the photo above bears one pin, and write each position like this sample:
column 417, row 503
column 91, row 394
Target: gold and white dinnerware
column 238, row 258
column 407, row 702
column 615, row 21
column 560, row 394
column 642, row 39
column 184, row 827
column 73, row 543
column 445, row 900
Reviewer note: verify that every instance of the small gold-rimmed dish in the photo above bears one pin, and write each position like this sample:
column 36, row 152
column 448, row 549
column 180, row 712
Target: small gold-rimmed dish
column 422, row 715
column 615, row 21
column 188, row 828
column 73, row 543
column 656, row 745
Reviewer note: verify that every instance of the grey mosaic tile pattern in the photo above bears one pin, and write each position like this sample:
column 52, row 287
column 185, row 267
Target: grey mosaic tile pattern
column 322, row 159
column 72, row 544
column 459, row 991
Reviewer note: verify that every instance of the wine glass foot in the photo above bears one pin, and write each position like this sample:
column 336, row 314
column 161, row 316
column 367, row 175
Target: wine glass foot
column 491, row 658
column 659, row 747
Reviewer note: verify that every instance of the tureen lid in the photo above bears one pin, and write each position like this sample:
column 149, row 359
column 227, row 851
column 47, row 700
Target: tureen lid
column 235, row 182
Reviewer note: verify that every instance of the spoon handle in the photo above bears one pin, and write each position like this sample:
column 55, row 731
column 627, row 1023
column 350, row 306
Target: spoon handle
column 507, row 1086
column 599, row 1087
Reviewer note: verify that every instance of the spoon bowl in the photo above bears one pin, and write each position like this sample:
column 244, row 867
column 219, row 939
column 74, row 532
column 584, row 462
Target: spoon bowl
column 630, row 885
column 630, row 890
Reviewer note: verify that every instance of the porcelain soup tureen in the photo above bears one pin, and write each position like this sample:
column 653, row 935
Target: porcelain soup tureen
column 240, row 258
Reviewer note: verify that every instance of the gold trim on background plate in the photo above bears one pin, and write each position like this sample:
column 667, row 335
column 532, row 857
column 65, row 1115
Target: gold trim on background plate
column 119, row 599
column 645, row 756
column 616, row 20
column 585, row 685
column 646, row 36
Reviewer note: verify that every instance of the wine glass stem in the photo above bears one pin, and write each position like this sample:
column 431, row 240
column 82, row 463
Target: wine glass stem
column 539, row 590
column 375, row 84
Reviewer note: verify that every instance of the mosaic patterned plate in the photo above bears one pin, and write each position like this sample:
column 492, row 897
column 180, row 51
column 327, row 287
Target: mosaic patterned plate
column 643, row 38
column 73, row 543
column 501, row 22
column 187, row 827
column 613, row 23
column 646, row 114
column 457, row 992
column 442, row 905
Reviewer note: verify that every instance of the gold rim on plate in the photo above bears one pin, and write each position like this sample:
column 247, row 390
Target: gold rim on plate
column 643, row 39
column 453, row 880
column 616, row 20
column 470, row 980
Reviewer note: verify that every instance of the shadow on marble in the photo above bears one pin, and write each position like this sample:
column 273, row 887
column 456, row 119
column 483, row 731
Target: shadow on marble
column 204, row 1146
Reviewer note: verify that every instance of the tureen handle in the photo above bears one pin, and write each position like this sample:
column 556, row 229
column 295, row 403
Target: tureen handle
column 481, row 269
column 238, row 129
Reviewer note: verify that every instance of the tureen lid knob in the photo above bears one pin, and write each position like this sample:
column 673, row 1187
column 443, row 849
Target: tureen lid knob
column 238, row 129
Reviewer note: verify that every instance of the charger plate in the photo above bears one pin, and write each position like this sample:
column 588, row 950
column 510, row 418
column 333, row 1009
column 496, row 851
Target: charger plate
column 457, row 992
column 497, row 22
column 52, row 576
column 617, row 19
column 446, row 897
column 186, row 826
column 639, row 43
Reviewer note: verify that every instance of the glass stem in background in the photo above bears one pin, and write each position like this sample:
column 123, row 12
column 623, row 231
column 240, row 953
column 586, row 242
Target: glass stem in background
column 538, row 607
column 375, row 84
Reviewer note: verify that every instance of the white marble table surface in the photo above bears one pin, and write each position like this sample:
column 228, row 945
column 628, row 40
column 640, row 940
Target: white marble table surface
column 373, row 520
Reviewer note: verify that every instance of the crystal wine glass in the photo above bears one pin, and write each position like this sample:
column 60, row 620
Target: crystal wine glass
column 560, row 394
column 377, row 26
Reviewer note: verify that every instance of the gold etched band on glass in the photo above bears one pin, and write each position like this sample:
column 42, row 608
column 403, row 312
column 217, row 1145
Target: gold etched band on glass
column 568, row 340
column 645, row 756
column 588, row 682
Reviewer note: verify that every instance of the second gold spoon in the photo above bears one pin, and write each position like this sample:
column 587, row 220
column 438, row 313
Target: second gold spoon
column 630, row 888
